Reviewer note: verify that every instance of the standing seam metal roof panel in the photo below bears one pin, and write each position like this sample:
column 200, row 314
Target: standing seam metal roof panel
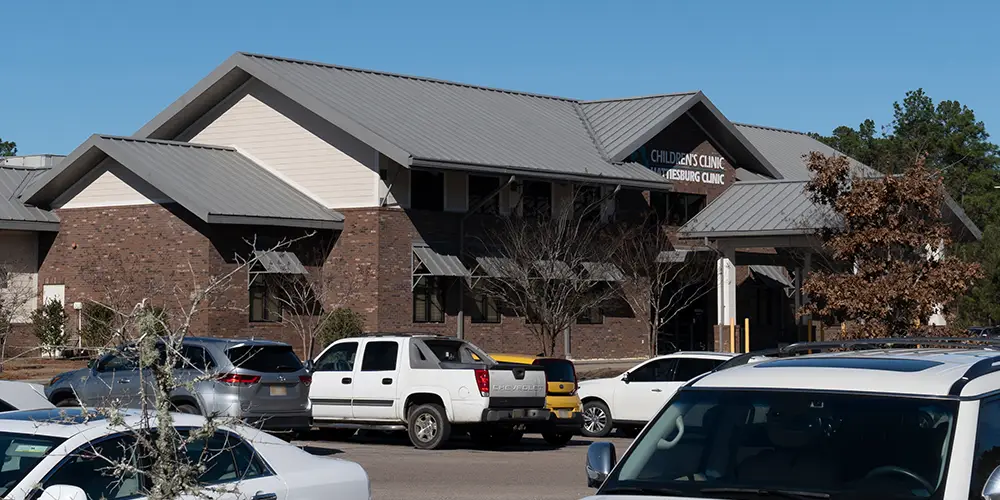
column 786, row 150
column 457, row 123
column 13, row 181
column 759, row 209
column 439, row 264
column 619, row 122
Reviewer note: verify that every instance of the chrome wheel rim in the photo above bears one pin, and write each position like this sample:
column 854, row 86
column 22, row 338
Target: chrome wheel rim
column 594, row 419
column 427, row 427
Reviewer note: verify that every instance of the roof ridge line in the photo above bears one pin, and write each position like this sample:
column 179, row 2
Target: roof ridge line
column 639, row 97
column 578, row 108
column 773, row 181
column 766, row 127
column 165, row 142
column 409, row 77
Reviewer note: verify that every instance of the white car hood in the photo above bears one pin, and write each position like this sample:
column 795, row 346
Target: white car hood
column 588, row 387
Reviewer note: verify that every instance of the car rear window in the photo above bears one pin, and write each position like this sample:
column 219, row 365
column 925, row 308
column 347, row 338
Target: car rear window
column 558, row 370
column 265, row 358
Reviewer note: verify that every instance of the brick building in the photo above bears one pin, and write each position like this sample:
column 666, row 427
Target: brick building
column 382, row 171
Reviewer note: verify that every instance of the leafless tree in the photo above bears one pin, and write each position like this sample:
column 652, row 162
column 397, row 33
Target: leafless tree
column 550, row 270
column 18, row 294
column 662, row 279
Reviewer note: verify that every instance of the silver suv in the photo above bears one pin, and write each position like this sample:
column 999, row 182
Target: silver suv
column 261, row 382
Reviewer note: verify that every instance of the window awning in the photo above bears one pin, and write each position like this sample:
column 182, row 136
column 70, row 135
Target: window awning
column 493, row 267
column 679, row 254
column 553, row 270
column 427, row 262
column 602, row 271
column 273, row 262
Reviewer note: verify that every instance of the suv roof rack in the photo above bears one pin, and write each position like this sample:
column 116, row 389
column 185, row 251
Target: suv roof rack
column 978, row 369
column 380, row 334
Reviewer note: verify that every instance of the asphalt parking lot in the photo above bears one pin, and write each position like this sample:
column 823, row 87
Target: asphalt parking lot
column 532, row 470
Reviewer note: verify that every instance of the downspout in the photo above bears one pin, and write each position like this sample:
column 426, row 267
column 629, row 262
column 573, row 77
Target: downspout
column 460, row 333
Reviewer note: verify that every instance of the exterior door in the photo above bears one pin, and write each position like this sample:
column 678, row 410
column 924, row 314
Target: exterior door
column 333, row 381
column 376, row 383
column 648, row 388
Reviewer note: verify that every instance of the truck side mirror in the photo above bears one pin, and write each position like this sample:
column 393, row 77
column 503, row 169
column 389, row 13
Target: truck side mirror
column 600, row 461
column 991, row 490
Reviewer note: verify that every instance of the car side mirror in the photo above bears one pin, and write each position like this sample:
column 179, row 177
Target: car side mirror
column 625, row 378
column 63, row 492
column 309, row 365
column 991, row 490
column 600, row 461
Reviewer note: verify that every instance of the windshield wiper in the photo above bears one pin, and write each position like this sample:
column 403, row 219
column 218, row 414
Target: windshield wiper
column 643, row 491
column 767, row 492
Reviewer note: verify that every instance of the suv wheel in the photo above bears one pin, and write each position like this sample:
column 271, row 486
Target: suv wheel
column 596, row 419
column 428, row 427
column 69, row 402
column 187, row 409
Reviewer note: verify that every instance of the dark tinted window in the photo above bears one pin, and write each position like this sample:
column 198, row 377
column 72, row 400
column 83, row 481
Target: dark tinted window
column 689, row 368
column 479, row 188
column 453, row 351
column 226, row 458
column 558, row 370
column 5, row 406
column 536, row 199
column 195, row 358
column 339, row 358
column 987, row 454
column 265, row 358
column 428, row 300
column 22, row 453
column 660, row 370
column 380, row 356
column 90, row 468
column 426, row 190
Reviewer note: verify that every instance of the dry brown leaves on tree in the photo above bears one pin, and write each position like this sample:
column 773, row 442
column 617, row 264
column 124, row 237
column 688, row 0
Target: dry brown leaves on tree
column 891, row 238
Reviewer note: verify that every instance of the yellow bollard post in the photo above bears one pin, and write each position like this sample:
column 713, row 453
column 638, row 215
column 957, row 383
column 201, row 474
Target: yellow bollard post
column 732, row 335
column 843, row 330
column 746, row 334
column 809, row 331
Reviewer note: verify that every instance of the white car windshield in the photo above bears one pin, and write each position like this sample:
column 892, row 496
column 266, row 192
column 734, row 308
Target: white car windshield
column 22, row 452
column 730, row 444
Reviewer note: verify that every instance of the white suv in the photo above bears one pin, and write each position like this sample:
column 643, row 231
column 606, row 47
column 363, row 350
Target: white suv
column 857, row 424
column 629, row 400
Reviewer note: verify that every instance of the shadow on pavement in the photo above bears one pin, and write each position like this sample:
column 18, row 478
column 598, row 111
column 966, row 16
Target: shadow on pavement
column 320, row 451
column 459, row 441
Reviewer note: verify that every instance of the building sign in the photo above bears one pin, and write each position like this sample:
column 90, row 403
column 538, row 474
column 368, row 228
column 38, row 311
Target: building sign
column 684, row 167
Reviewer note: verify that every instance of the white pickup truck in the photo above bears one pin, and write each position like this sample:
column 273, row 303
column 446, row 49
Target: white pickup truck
column 427, row 385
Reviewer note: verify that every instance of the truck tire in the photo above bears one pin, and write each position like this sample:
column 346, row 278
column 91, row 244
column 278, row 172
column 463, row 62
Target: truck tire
column 559, row 439
column 596, row 419
column 428, row 427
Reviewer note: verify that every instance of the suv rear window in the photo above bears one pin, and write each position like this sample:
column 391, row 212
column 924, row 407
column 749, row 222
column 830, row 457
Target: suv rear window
column 558, row 370
column 265, row 358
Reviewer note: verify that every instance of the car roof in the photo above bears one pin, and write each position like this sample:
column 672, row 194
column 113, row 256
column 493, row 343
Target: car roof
column 937, row 372
column 699, row 354
column 232, row 342
column 68, row 422
column 23, row 395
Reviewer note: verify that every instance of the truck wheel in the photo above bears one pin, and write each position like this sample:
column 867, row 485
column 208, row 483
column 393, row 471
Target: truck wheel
column 596, row 419
column 557, row 438
column 428, row 427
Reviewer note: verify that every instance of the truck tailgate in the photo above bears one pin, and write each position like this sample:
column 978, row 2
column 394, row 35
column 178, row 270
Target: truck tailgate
column 517, row 386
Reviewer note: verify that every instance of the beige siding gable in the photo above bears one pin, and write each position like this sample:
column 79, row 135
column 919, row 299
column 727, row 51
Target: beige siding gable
column 109, row 185
column 259, row 122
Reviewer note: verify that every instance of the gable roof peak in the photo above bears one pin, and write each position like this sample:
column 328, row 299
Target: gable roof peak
column 774, row 129
column 642, row 97
column 404, row 76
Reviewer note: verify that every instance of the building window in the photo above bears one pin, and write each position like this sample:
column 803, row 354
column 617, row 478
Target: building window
column 591, row 316
column 480, row 187
column 487, row 309
column 264, row 307
column 427, row 190
column 536, row 199
column 586, row 204
column 428, row 300
column 676, row 208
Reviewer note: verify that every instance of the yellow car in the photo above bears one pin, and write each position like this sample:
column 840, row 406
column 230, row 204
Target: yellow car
column 567, row 417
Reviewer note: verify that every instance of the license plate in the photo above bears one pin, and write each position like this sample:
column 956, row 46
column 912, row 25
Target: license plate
column 565, row 414
column 279, row 390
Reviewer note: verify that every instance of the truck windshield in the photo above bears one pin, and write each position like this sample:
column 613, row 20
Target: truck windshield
column 725, row 443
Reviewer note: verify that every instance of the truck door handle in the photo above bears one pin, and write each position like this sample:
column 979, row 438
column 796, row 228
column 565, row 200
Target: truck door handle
column 124, row 381
column 657, row 390
column 260, row 495
column 345, row 380
column 387, row 381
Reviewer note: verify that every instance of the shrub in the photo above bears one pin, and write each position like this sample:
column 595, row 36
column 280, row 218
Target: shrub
column 49, row 324
column 98, row 325
column 340, row 323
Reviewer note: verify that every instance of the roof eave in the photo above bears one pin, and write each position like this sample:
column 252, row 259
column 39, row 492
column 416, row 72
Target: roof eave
column 542, row 174
column 30, row 225
column 715, row 235
column 249, row 220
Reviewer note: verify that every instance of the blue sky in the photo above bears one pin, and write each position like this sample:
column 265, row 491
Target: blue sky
column 72, row 68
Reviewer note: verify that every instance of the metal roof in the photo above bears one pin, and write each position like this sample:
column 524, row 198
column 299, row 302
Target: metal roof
column 493, row 267
column 275, row 262
column 760, row 208
column 619, row 124
column 787, row 150
column 553, row 270
column 602, row 271
column 216, row 184
column 13, row 213
column 437, row 264
column 777, row 274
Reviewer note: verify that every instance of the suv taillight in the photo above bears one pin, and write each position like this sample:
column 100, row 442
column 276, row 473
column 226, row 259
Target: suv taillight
column 483, row 381
column 235, row 378
column 306, row 380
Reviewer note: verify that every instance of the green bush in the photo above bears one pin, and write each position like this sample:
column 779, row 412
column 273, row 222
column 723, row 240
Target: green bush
column 98, row 325
column 49, row 324
column 340, row 323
